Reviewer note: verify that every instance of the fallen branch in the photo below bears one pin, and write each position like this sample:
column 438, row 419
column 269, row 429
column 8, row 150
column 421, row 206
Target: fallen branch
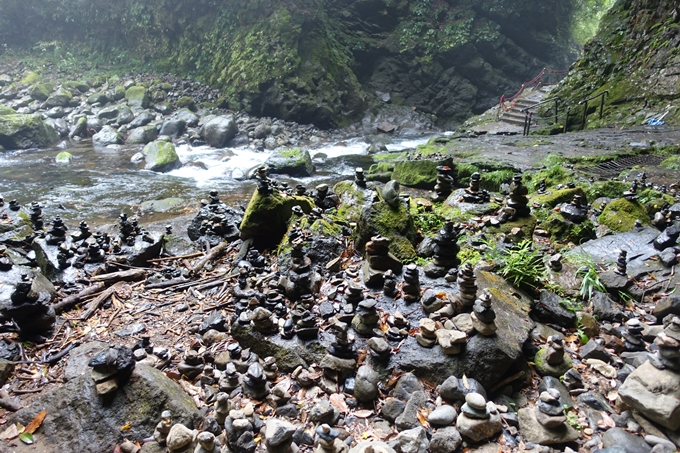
column 72, row 300
column 94, row 305
column 53, row 359
column 216, row 251
column 167, row 283
column 126, row 276
column 172, row 258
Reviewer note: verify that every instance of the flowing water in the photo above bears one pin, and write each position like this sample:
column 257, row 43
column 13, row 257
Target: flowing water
column 100, row 183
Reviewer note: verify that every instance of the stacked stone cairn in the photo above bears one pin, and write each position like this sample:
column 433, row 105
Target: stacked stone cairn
column 264, row 321
column 483, row 315
column 279, row 436
column 264, row 184
column 230, row 378
column 111, row 368
column 365, row 322
column 444, row 185
column 632, row 336
column 240, row 432
column 411, row 286
column 427, row 337
column 160, row 434
column 667, row 356
column 325, row 198
column 517, row 204
column 467, row 285
column 57, row 233
column 575, row 211
column 390, row 284
column 36, row 216
column 451, row 341
column 255, row 382
column 341, row 359
column 551, row 359
column 478, row 420
column 30, row 308
column 360, row 177
column 445, row 251
column 668, row 238
column 546, row 424
column 379, row 260
column 329, row 441
column 473, row 193
column 621, row 263
column 192, row 365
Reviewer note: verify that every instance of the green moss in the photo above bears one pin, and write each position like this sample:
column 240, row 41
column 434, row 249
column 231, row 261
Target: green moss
column 492, row 180
column 416, row 173
column 609, row 189
column 381, row 171
column 620, row 215
column 557, row 174
column 526, row 224
column 186, row 102
column 469, row 255
column 64, row 157
column 294, row 153
column 562, row 230
column 25, row 131
column 351, row 201
column 557, row 197
column 395, row 224
column 73, row 85
column 137, row 96
column 41, row 91
column 403, row 249
column 30, row 78
column 160, row 155
column 672, row 163
column 4, row 110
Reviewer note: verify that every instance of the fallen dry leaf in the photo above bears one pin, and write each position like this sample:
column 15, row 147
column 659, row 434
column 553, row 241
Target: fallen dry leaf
column 338, row 401
column 465, row 382
column 364, row 413
column 35, row 423
column 10, row 433
column 422, row 417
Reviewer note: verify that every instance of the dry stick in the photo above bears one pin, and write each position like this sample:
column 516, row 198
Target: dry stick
column 74, row 299
column 172, row 258
column 508, row 380
column 92, row 306
column 131, row 275
column 165, row 284
column 214, row 253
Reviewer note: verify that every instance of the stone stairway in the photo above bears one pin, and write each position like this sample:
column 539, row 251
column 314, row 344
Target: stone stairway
column 514, row 116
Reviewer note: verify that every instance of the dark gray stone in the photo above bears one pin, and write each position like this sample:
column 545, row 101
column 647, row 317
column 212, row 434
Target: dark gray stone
column 409, row 418
column 592, row 350
column 550, row 382
column 605, row 308
column 219, row 130
column 617, row 437
column 667, row 306
column 392, row 408
column 549, row 309
column 406, row 386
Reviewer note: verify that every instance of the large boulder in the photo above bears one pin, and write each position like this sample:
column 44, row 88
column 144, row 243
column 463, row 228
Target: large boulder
column 60, row 98
column 293, row 162
column 394, row 223
column 654, row 393
column 26, row 131
column 107, row 136
column 219, row 130
column 78, row 419
column 161, row 156
column 418, row 173
column 142, row 135
column 266, row 218
column 137, row 97
column 620, row 215
column 215, row 222
column 40, row 91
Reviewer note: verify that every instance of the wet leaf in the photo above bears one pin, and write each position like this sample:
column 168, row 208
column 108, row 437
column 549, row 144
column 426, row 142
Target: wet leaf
column 364, row 413
column 35, row 423
column 10, row 433
column 422, row 417
column 26, row 438
column 338, row 402
column 126, row 427
column 465, row 382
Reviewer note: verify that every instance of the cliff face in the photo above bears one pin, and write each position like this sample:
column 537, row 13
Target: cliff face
column 635, row 55
column 318, row 61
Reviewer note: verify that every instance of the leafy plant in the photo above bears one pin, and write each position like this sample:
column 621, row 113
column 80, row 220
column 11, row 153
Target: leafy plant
column 588, row 270
column 522, row 265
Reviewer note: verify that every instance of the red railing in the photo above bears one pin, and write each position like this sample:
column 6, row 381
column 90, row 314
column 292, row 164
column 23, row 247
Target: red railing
column 506, row 103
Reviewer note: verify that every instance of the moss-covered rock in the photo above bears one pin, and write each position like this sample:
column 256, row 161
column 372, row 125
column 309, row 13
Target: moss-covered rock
column 381, row 171
column 4, row 110
column 526, row 224
column 351, row 198
column 395, row 224
column 137, row 96
column 60, row 98
column 26, row 131
column 30, row 77
column 293, row 162
column 40, row 91
column 142, row 135
column 608, row 189
column 620, row 215
column 160, row 156
column 557, row 197
column 418, row 173
column 97, row 98
column 64, row 157
column 73, row 86
column 266, row 218
column 186, row 102
column 545, row 369
column 562, row 230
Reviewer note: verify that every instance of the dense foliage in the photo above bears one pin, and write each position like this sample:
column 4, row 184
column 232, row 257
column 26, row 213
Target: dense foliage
column 314, row 60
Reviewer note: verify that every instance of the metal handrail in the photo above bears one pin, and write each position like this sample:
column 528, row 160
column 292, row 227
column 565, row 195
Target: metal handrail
column 585, row 106
column 528, row 114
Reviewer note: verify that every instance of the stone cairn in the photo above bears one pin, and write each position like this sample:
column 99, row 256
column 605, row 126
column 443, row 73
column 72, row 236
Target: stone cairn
column 222, row 407
column 111, row 368
column 325, row 198
column 411, row 286
column 445, row 251
column 36, row 216
column 264, row 321
column 542, row 187
column 550, row 413
column 14, row 205
column 240, row 432
column 255, row 382
column 229, row 379
column 127, row 229
column 341, row 358
column 360, row 178
column 477, row 421
column 329, row 441
column 517, row 203
column 379, row 349
column 473, row 193
column 264, row 184
column 467, row 285
column 160, row 434
column 207, row 443
column 575, row 211
column 390, row 284
column 30, row 309
column 279, row 437
column 483, row 315
column 451, row 341
column 632, row 336
column 551, row 359
column 668, row 342
column 546, row 424
column 444, row 185
column 379, row 260
column 399, row 327
column 427, row 337
column 57, row 233
column 622, row 263
column 192, row 365
column 365, row 322
column 631, row 194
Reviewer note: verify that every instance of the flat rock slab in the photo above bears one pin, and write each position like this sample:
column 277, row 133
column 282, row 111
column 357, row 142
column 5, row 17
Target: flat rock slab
column 534, row 432
column 77, row 419
column 639, row 245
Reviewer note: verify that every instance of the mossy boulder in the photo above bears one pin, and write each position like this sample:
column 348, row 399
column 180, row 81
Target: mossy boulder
column 545, row 369
column 30, row 78
column 137, row 97
column 97, row 98
column 608, row 189
column 4, row 110
column 26, row 131
column 418, row 173
column 60, row 98
column 16, row 228
column 64, row 157
column 142, row 135
column 381, row 171
column 526, row 224
column 266, row 218
column 395, row 224
column 620, row 215
column 562, row 230
column 557, row 197
column 73, row 86
column 186, row 102
column 351, row 199
column 40, row 91
column 160, row 156
column 293, row 162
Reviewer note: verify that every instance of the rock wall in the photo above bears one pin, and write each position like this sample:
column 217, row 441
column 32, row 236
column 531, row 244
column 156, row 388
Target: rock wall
column 318, row 61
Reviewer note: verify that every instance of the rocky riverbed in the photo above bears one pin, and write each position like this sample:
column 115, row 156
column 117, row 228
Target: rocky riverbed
column 491, row 293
